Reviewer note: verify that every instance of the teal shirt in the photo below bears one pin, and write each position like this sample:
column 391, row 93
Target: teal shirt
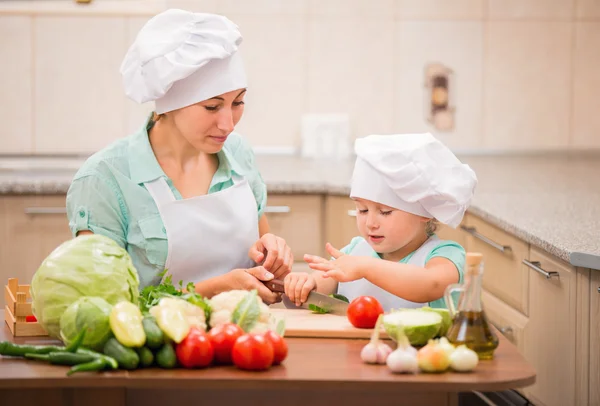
column 446, row 249
column 107, row 196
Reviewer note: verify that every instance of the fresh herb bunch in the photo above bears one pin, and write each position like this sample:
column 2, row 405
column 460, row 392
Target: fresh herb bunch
column 151, row 295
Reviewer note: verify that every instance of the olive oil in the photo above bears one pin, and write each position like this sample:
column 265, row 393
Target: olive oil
column 472, row 329
column 470, row 325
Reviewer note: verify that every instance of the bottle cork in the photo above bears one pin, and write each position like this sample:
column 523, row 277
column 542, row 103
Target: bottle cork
column 474, row 258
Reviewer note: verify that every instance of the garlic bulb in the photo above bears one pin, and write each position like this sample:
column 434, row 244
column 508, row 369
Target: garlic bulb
column 376, row 352
column 463, row 359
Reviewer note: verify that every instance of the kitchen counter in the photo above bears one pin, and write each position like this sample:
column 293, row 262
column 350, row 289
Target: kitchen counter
column 316, row 372
column 550, row 201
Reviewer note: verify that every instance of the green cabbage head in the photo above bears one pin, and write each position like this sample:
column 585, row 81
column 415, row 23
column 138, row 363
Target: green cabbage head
column 89, row 265
column 419, row 325
column 87, row 312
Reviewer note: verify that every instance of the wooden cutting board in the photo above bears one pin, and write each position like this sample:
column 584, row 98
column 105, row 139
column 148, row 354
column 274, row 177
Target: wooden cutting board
column 305, row 323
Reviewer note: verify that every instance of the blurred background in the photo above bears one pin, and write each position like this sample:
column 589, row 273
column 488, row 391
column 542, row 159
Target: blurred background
column 483, row 75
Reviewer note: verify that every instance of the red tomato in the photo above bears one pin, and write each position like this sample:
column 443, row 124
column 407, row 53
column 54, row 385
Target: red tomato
column 253, row 352
column 30, row 319
column 195, row 351
column 364, row 311
column 223, row 338
column 280, row 348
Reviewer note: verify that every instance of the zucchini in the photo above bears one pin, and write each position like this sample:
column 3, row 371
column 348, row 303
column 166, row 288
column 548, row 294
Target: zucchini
column 125, row 357
column 146, row 356
column 166, row 357
column 154, row 335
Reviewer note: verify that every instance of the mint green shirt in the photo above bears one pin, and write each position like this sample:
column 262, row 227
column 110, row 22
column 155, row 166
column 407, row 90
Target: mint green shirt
column 446, row 249
column 107, row 196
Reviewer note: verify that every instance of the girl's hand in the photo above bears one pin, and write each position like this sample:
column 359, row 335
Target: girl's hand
column 343, row 268
column 298, row 285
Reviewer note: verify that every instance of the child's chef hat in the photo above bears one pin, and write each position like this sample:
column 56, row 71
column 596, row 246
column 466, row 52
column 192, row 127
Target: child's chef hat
column 180, row 58
column 415, row 173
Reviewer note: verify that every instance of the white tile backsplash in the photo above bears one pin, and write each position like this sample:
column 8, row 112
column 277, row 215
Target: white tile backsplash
column 527, row 89
column 79, row 104
column 135, row 113
column 16, row 84
column 351, row 71
column 197, row 6
column 531, row 9
column 352, row 8
column 440, row 9
column 276, row 67
column 518, row 83
column 587, row 9
column 586, row 86
column 263, row 7
column 458, row 46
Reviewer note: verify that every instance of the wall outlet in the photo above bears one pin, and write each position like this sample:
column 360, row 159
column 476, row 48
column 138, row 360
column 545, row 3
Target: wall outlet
column 326, row 136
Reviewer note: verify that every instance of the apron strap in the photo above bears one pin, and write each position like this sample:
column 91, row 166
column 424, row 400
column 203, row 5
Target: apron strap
column 160, row 191
column 418, row 258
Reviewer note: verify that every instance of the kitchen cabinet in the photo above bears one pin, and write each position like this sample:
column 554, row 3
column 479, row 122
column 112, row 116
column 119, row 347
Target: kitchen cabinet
column 31, row 228
column 504, row 274
column 509, row 322
column 550, row 336
column 299, row 220
column 594, row 339
column 340, row 220
column 454, row 234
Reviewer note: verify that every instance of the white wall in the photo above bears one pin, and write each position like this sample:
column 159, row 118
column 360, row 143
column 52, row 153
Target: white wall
column 525, row 70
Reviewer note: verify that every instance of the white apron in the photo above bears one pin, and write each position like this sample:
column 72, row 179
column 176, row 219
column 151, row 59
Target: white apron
column 207, row 235
column 363, row 287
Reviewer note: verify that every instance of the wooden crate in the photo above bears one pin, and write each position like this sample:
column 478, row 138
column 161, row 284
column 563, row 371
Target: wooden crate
column 17, row 308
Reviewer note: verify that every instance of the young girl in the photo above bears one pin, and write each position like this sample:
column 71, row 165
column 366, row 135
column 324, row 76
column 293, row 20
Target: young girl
column 401, row 185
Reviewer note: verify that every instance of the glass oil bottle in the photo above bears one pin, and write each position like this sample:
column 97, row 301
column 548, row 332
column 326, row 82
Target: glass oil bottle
column 470, row 325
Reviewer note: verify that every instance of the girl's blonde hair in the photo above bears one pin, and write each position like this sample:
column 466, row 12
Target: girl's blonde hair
column 431, row 227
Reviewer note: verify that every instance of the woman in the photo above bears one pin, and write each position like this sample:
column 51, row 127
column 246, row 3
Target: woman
column 184, row 193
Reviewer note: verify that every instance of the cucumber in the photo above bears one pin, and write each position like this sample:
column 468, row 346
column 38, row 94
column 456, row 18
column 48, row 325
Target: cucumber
column 165, row 357
column 154, row 335
column 127, row 358
column 146, row 356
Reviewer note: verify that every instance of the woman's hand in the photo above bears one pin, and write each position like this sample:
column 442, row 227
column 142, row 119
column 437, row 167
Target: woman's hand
column 273, row 254
column 249, row 279
column 343, row 268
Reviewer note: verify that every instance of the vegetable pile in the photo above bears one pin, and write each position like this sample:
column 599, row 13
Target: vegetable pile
column 86, row 294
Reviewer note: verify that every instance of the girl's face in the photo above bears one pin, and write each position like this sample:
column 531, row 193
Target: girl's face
column 386, row 229
column 207, row 124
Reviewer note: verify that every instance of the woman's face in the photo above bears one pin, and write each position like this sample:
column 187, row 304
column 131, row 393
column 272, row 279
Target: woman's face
column 206, row 125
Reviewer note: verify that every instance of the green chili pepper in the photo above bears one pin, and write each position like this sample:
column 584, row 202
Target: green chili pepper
column 15, row 350
column 95, row 365
column 63, row 358
column 110, row 361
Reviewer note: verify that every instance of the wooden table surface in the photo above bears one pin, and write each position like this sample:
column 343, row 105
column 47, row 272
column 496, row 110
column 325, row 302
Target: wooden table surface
column 311, row 363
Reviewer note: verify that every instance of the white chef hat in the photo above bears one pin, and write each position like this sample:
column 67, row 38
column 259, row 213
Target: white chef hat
column 415, row 173
column 180, row 58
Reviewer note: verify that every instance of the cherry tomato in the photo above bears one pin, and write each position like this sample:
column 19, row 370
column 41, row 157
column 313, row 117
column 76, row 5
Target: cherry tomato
column 253, row 352
column 223, row 338
column 280, row 348
column 364, row 311
column 30, row 319
column 195, row 351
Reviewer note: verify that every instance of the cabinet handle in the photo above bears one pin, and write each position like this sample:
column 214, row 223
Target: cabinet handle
column 599, row 289
column 278, row 209
column 471, row 230
column 45, row 210
column 504, row 330
column 352, row 213
column 537, row 266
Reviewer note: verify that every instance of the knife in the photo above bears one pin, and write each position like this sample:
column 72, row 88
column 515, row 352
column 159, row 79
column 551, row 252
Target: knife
column 328, row 303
